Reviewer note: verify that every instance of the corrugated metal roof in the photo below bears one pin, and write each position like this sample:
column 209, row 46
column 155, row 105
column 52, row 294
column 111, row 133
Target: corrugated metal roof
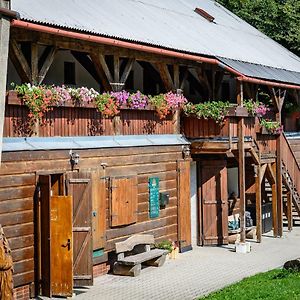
column 259, row 71
column 92, row 142
column 170, row 24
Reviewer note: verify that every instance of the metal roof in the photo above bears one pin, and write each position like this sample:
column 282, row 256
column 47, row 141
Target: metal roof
column 170, row 24
column 91, row 142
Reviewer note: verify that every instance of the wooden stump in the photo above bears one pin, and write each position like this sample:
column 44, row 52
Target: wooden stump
column 156, row 262
column 121, row 269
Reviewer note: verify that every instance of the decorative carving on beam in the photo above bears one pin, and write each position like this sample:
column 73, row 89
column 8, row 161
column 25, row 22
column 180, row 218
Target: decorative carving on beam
column 18, row 59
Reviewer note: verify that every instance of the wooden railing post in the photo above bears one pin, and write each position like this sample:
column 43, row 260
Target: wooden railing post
column 275, row 202
column 241, row 163
column 258, row 181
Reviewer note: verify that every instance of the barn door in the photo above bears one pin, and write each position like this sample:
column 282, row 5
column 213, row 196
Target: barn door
column 79, row 187
column 184, row 206
column 55, row 234
column 214, row 217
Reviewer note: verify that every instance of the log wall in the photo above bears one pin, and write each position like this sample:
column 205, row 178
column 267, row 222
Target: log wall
column 18, row 175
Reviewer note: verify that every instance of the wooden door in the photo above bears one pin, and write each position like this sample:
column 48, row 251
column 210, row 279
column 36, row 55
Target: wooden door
column 79, row 187
column 214, row 216
column 99, row 198
column 61, row 246
column 184, row 206
column 55, row 236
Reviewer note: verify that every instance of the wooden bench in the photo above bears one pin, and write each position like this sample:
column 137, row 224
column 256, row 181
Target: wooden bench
column 134, row 252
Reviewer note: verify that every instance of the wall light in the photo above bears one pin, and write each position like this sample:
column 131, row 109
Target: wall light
column 74, row 158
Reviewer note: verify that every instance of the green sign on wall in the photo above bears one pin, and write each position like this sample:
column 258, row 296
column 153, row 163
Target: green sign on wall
column 153, row 197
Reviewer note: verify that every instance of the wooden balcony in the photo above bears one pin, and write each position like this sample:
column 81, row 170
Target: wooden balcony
column 72, row 120
column 208, row 136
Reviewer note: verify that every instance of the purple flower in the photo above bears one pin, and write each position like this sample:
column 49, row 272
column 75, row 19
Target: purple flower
column 138, row 100
column 121, row 97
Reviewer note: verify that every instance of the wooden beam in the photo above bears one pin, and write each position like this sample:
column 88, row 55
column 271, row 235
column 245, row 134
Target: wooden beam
column 165, row 76
column 279, row 186
column 34, row 63
column 184, row 78
column 127, row 70
column 271, row 174
column 87, row 63
column 263, row 170
column 258, row 181
column 116, row 69
column 4, row 48
column 19, row 61
column 202, row 76
column 87, row 47
column 176, row 77
column 274, row 204
column 241, row 164
column 289, row 210
column 105, row 68
column 96, row 59
column 47, row 64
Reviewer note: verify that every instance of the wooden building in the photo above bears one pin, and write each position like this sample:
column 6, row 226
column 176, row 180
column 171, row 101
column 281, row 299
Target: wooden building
column 72, row 188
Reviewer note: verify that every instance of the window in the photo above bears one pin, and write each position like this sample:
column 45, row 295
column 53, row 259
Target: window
column 69, row 73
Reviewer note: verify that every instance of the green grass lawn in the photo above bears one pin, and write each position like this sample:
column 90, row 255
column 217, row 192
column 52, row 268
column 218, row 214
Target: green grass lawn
column 276, row 284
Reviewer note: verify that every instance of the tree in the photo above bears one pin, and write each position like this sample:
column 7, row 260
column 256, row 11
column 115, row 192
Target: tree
column 279, row 19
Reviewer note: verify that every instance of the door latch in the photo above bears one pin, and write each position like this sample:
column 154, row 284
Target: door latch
column 68, row 244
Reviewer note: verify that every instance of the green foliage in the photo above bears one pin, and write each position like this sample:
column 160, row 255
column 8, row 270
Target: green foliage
column 278, row 19
column 166, row 245
column 272, row 127
column 216, row 110
column 273, row 285
column 106, row 105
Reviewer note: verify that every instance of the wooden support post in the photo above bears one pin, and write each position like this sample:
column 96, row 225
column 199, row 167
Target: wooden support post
column 289, row 211
column 165, row 76
column 279, row 186
column 19, row 61
column 176, row 77
column 4, row 45
column 34, row 63
column 47, row 64
column 258, row 203
column 241, row 163
column 274, row 204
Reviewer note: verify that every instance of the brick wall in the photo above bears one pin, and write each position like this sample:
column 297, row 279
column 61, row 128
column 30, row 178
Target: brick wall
column 100, row 269
column 22, row 293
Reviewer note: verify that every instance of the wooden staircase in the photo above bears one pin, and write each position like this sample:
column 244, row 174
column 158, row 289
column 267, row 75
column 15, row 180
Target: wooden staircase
column 290, row 172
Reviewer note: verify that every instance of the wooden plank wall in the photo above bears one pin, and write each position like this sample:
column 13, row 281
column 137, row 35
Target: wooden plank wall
column 195, row 128
column 79, row 121
column 16, row 217
column 17, row 185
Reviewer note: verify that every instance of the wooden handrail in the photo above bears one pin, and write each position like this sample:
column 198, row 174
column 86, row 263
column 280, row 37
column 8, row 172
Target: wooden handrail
column 290, row 162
